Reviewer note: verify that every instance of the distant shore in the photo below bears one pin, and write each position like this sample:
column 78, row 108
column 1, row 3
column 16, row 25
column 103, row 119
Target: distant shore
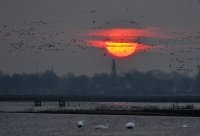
column 189, row 113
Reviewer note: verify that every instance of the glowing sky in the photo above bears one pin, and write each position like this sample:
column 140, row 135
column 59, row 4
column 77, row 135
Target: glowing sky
column 55, row 33
column 120, row 42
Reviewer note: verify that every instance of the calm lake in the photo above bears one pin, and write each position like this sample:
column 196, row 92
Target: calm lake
column 37, row 124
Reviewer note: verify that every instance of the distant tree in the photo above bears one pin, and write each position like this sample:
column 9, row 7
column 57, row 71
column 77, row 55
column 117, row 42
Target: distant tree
column 49, row 82
column 196, row 85
column 132, row 83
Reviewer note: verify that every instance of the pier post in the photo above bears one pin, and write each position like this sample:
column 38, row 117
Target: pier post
column 37, row 103
column 61, row 103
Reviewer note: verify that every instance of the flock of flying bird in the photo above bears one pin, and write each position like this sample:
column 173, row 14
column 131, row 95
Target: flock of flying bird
column 30, row 36
column 37, row 36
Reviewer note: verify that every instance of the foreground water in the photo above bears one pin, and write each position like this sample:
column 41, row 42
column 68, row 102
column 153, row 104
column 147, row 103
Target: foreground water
column 29, row 124
column 35, row 124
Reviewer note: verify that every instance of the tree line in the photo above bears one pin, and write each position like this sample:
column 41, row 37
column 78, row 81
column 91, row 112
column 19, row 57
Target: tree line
column 133, row 83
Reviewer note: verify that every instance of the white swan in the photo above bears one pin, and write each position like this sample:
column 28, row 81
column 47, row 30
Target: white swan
column 130, row 125
column 81, row 123
column 102, row 126
column 185, row 125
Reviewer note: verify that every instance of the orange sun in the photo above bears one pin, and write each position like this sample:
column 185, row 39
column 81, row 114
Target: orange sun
column 119, row 42
column 120, row 49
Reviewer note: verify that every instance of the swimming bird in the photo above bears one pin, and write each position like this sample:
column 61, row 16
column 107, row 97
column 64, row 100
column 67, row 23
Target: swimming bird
column 81, row 123
column 130, row 125
column 102, row 126
column 185, row 125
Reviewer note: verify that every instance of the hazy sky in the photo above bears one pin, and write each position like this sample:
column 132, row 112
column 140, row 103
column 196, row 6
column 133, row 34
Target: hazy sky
column 62, row 20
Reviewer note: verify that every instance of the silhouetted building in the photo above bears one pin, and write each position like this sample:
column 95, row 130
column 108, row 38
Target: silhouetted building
column 113, row 70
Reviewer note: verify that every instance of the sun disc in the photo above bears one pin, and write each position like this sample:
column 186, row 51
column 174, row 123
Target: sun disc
column 119, row 49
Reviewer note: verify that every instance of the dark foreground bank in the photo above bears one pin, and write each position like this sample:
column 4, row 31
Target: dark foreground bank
column 157, row 112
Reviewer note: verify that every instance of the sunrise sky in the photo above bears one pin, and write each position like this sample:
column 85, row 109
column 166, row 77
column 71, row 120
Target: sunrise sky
column 52, row 33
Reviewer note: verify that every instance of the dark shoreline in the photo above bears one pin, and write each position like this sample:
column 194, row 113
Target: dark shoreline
column 96, row 98
column 187, row 113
